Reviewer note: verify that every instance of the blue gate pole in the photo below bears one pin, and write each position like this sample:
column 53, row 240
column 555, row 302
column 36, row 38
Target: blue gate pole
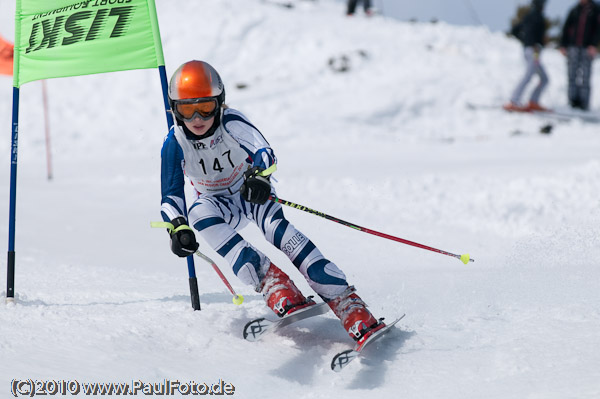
column 10, row 264
column 195, row 296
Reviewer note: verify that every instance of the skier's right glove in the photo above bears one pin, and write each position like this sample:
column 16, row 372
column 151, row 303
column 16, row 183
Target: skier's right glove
column 183, row 240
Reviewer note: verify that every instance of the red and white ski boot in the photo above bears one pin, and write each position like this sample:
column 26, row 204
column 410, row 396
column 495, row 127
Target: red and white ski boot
column 281, row 294
column 352, row 312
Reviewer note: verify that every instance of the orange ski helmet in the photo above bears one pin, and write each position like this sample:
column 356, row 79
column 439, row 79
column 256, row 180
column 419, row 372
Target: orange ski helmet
column 195, row 82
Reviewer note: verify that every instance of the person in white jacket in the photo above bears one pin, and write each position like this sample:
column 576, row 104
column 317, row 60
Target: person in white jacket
column 229, row 163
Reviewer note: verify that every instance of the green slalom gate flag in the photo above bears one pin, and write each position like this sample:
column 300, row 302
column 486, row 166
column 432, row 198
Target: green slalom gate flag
column 60, row 38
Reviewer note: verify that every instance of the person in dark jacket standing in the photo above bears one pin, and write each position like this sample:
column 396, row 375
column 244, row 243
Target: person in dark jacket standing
column 352, row 6
column 531, row 31
column 579, row 42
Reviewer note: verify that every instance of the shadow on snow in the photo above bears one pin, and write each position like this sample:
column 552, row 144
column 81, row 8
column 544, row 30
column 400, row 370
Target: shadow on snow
column 319, row 340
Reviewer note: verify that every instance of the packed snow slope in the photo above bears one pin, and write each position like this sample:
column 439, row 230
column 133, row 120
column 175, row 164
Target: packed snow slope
column 390, row 144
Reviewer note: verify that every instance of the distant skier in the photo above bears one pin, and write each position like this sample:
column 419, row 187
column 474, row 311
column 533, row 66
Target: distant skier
column 579, row 43
column 531, row 31
column 353, row 3
column 227, row 160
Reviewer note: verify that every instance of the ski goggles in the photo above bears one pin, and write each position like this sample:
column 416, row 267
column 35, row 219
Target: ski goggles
column 187, row 110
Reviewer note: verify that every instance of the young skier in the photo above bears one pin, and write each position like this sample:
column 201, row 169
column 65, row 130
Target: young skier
column 228, row 161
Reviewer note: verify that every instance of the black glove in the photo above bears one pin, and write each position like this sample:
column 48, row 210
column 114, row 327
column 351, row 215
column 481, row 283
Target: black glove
column 255, row 189
column 183, row 242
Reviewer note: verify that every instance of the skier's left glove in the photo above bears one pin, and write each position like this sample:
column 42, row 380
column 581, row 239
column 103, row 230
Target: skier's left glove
column 256, row 188
column 183, row 239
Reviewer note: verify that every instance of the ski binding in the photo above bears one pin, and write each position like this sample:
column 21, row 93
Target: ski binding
column 255, row 329
column 343, row 358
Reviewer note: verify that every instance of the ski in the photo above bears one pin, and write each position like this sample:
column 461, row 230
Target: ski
column 587, row 117
column 343, row 358
column 257, row 328
column 561, row 114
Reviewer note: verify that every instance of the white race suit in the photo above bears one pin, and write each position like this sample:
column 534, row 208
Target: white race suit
column 215, row 166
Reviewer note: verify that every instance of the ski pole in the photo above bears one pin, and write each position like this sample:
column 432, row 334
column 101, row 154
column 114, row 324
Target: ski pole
column 464, row 258
column 237, row 299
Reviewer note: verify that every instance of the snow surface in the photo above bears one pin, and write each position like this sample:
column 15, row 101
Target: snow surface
column 390, row 145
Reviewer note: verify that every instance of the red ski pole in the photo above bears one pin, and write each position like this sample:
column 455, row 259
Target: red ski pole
column 464, row 258
column 237, row 299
